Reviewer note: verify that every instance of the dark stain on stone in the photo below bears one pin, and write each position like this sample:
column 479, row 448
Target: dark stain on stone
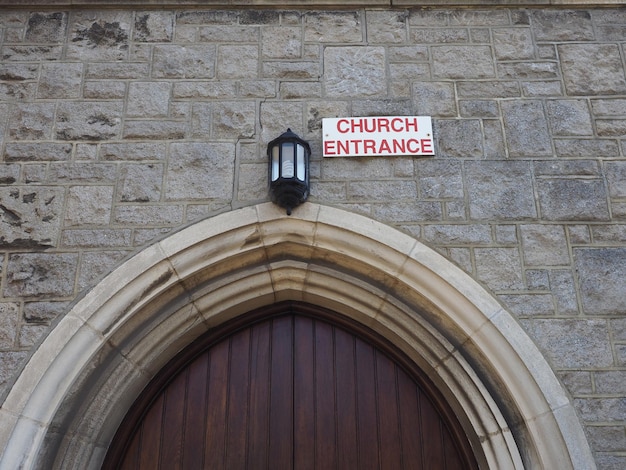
column 141, row 26
column 11, row 217
column 29, row 198
column 259, row 17
column 7, row 180
column 107, row 34
column 162, row 279
column 26, row 243
column 100, row 119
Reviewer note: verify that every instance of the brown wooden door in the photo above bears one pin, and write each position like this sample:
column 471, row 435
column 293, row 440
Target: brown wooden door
column 294, row 390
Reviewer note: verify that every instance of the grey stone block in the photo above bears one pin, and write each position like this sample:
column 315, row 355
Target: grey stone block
column 526, row 128
column 351, row 72
column 592, row 69
column 40, row 275
column 464, row 62
column 572, row 199
column 30, row 217
column 601, row 274
column 500, row 190
column 572, row 343
column 200, row 171
column 544, row 245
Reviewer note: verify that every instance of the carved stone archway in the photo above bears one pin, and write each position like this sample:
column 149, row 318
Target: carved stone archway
column 70, row 398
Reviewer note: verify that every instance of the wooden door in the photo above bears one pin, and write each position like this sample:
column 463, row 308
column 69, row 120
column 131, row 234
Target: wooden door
column 295, row 388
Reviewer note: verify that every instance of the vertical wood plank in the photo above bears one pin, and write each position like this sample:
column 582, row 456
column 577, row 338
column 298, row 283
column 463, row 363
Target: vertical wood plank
column 281, row 394
column 366, row 407
column 258, row 431
column 173, row 421
column 151, row 437
column 325, row 404
column 216, row 406
column 131, row 458
column 345, row 371
column 196, row 412
column 389, row 424
column 430, row 422
column 304, row 396
column 237, row 414
column 411, row 432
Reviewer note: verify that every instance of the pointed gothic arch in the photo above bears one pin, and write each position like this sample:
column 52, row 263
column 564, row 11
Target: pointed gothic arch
column 71, row 396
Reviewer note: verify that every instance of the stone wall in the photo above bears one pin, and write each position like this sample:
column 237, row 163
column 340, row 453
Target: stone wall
column 118, row 127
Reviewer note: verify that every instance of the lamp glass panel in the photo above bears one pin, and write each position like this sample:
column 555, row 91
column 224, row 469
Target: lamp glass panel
column 288, row 166
column 300, row 167
column 275, row 162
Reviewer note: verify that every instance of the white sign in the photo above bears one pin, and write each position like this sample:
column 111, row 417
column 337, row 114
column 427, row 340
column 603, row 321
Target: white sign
column 377, row 136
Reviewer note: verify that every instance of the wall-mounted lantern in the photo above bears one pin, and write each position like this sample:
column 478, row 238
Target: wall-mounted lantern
column 289, row 170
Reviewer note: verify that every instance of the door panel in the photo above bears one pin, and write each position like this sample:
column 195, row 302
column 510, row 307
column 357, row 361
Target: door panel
column 294, row 389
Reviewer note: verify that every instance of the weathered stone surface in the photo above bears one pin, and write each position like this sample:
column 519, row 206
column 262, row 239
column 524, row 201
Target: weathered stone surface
column 101, row 36
column 572, row 199
column 40, row 275
column 36, row 152
column 172, row 61
column 529, row 305
column 464, row 62
column 382, row 190
column 459, row 138
column 43, row 312
column 148, row 99
column 386, row 27
column 88, row 205
column 513, row 43
column 333, row 27
column 616, row 176
column 46, row 27
column 499, row 268
column 93, row 266
column 82, row 172
column 281, row 42
column 60, row 80
column 30, row 216
column 10, row 362
column 562, row 25
column 153, row 26
column 238, row 61
column 88, row 120
column 439, row 179
column 31, row 121
column 234, row 119
column 500, row 190
column 9, row 325
column 351, row 72
column 601, row 409
column 601, row 274
column 155, row 130
column 439, row 36
column 526, row 128
column 148, row 214
column 140, row 182
column 96, row 238
column 563, row 289
column 592, row 69
column 544, row 245
column 453, row 234
column 200, row 171
column 435, row 99
column 132, row 151
column 570, row 117
column 572, row 343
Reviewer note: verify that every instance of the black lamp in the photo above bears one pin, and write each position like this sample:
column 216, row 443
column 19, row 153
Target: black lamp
column 289, row 170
